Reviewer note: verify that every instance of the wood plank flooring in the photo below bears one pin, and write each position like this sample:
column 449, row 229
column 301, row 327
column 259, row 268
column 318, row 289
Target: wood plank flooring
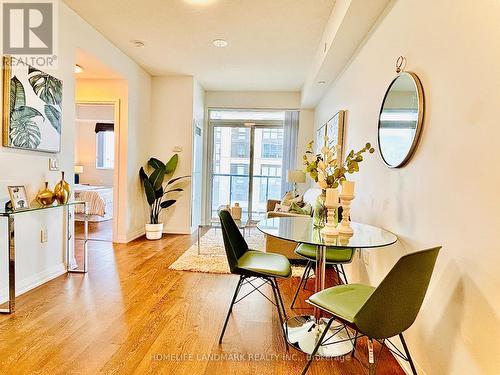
column 132, row 315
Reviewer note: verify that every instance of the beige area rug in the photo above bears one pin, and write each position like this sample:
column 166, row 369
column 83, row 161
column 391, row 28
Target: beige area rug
column 212, row 257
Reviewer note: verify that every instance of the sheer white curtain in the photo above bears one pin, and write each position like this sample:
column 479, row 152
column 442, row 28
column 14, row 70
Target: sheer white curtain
column 290, row 135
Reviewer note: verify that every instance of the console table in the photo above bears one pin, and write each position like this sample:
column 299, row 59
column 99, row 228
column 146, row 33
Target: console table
column 70, row 267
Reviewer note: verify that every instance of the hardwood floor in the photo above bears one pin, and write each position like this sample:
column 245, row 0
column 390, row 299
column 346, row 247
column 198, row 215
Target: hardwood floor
column 101, row 231
column 130, row 314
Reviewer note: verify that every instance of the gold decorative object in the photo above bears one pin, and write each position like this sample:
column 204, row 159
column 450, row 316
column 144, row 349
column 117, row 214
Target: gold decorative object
column 62, row 191
column 45, row 196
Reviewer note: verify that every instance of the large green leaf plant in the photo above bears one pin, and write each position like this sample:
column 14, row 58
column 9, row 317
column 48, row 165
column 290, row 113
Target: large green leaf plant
column 48, row 89
column 157, row 189
column 24, row 130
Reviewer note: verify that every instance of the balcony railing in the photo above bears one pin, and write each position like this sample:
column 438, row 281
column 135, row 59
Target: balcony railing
column 262, row 190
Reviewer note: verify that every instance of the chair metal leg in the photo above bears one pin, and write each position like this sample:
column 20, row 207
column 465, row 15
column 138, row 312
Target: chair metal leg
column 231, row 307
column 337, row 271
column 343, row 273
column 307, row 272
column 280, row 299
column 274, row 286
column 408, row 356
column 318, row 344
column 302, row 280
column 354, row 344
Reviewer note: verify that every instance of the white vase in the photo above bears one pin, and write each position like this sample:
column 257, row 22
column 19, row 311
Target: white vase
column 154, row 231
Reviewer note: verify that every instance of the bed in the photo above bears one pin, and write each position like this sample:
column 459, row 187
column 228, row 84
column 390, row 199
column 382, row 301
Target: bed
column 99, row 199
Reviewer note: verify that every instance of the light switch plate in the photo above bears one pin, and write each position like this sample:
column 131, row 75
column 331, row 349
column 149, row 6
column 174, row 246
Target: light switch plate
column 53, row 164
column 44, row 236
column 177, row 149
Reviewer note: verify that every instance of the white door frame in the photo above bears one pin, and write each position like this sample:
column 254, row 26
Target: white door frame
column 116, row 168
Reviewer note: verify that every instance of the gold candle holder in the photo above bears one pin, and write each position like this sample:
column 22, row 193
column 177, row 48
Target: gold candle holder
column 344, row 226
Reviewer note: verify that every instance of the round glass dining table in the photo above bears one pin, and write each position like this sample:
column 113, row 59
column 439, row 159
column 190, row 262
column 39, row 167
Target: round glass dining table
column 303, row 331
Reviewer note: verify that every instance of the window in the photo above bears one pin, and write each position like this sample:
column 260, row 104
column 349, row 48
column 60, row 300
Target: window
column 270, row 170
column 240, row 143
column 270, row 182
column 272, row 143
column 239, row 181
column 105, row 150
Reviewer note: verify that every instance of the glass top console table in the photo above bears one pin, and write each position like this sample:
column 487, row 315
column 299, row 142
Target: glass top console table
column 303, row 331
column 70, row 260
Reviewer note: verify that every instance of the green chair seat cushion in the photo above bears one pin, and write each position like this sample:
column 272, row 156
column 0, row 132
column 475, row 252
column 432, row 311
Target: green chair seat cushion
column 333, row 255
column 265, row 263
column 343, row 301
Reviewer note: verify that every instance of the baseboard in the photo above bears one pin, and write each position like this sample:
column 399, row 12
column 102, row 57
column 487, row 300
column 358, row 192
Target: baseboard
column 177, row 230
column 34, row 281
column 405, row 365
column 139, row 232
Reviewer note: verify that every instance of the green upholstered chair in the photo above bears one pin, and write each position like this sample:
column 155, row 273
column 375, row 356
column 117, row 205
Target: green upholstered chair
column 252, row 265
column 336, row 257
column 382, row 312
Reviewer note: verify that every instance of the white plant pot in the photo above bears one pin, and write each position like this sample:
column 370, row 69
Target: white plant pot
column 154, row 231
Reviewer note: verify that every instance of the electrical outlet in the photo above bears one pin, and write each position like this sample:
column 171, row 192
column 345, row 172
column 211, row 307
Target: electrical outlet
column 44, row 236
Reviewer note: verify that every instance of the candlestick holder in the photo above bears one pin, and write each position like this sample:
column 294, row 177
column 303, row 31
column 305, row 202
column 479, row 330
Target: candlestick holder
column 344, row 226
column 330, row 228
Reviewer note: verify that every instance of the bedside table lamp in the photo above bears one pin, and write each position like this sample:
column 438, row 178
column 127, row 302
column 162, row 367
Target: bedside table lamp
column 295, row 177
column 78, row 172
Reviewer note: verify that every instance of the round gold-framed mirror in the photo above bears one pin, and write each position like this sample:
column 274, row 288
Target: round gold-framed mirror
column 401, row 119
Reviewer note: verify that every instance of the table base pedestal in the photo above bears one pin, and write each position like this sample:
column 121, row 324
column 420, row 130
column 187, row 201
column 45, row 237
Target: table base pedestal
column 303, row 333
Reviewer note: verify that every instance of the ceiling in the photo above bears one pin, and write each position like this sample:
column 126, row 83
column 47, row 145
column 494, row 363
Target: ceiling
column 272, row 43
column 93, row 68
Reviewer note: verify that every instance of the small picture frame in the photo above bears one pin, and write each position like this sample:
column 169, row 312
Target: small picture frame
column 19, row 198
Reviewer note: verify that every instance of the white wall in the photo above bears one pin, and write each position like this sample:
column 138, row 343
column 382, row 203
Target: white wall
column 134, row 136
column 448, row 193
column 253, row 99
column 197, row 173
column 172, row 125
column 38, row 262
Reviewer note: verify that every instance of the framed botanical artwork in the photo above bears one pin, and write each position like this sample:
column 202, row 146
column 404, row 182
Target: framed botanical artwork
column 320, row 139
column 18, row 198
column 32, row 107
column 335, row 132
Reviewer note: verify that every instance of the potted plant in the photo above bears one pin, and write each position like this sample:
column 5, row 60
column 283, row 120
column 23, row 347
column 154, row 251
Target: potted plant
column 328, row 171
column 157, row 191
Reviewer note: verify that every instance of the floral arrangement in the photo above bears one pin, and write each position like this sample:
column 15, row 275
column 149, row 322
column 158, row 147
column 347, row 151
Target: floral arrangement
column 326, row 169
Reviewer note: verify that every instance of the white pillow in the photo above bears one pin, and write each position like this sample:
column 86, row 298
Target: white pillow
column 281, row 208
column 287, row 198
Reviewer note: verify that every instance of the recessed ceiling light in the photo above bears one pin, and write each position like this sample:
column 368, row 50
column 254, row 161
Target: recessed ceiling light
column 138, row 43
column 220, row 43
column 78, row 69
column 321, row 82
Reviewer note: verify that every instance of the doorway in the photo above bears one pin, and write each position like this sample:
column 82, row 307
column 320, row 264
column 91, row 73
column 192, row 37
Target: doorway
column 95, row 138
